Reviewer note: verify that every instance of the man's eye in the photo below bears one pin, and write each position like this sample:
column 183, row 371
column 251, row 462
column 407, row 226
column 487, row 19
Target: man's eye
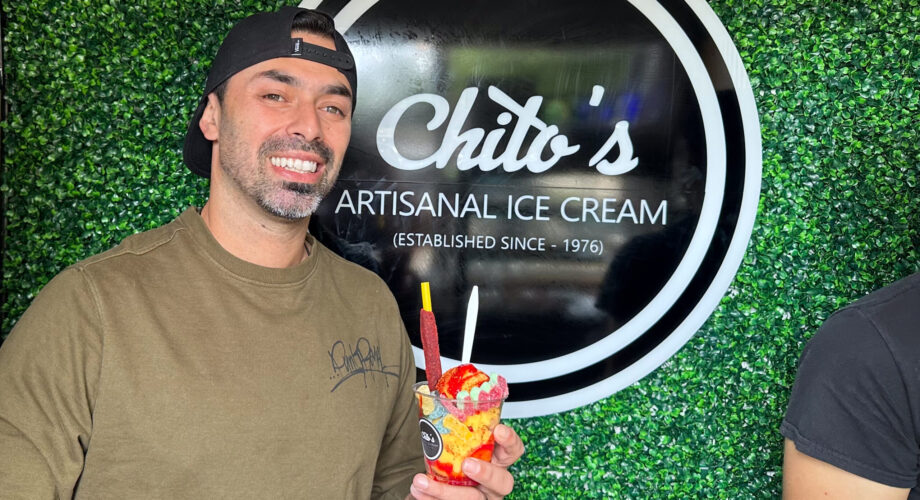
column 273, row 97
column 334, row 110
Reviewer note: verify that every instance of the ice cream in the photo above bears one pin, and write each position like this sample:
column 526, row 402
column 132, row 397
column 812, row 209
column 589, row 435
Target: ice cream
column 457, row 417
column 465, row 384
column 463, row 410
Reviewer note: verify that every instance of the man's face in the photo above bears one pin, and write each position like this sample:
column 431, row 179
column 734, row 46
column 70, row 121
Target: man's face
column 281, row 131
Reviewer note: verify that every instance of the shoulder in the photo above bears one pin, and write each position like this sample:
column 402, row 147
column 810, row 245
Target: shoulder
column 75, row 278
column 899, row 299
column 146, row 253
column 136, row 244
column 881, row 324
column 875, row 335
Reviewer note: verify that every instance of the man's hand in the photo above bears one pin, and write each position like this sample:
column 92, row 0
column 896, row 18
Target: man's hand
column 494, row 479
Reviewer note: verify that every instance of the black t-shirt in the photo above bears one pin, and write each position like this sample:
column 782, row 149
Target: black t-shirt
column 856, row 399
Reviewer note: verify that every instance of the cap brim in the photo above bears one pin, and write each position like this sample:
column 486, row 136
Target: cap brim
column 197, row 150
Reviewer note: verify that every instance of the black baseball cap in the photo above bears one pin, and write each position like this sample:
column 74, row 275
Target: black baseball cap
column 258, row 38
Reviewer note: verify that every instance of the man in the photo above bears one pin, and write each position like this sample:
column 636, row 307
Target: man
column 228, row 353
column 853, row 424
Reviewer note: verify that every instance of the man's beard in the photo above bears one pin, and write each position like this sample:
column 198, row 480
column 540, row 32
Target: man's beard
column 311, row 195
column 287, row 200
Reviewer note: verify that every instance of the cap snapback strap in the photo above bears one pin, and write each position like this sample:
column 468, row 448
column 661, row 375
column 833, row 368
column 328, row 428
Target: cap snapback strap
column 321, row 55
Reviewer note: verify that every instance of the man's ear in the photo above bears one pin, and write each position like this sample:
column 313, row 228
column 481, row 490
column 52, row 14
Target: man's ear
column 210, row 118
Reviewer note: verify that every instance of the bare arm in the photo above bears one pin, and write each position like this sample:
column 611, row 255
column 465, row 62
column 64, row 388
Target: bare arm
column 805, row 477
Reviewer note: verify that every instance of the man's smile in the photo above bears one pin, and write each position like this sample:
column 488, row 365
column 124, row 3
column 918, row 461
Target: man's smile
column 294, row 164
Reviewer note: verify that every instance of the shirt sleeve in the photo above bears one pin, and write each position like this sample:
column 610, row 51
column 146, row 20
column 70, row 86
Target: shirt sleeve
column 49, row 367
column 401, row 450
column 850, row 406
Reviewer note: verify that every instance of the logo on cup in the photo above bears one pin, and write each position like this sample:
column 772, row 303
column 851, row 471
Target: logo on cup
column 432, row 446
column 596, row 174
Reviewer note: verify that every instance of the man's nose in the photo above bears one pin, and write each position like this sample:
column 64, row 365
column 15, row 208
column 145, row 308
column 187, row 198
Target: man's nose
column 304, row 122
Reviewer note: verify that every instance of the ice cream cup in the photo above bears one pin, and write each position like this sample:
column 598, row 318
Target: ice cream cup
column 452, row 430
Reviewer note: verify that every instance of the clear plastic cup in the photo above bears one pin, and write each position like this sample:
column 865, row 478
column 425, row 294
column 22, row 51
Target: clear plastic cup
column 453, row 430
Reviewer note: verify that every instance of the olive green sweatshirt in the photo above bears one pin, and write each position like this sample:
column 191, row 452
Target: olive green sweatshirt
column 168, row 368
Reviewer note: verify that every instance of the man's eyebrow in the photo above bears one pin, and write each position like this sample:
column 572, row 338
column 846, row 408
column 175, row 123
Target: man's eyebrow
column 278, row 76
column 337, row 90
column 281, row 77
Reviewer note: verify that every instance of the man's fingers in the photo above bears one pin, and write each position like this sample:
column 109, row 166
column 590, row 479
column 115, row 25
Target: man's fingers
column 494, row 480
column 509, row 446
column 425, row 488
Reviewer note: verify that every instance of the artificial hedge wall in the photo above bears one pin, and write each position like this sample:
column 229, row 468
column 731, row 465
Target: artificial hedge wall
column 99, row 93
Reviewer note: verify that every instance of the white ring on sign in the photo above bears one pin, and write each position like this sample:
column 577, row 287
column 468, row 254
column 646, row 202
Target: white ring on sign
column 731, row 262
column 699, row 244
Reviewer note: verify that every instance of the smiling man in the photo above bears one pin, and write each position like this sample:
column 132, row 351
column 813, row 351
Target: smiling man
column 229, row 353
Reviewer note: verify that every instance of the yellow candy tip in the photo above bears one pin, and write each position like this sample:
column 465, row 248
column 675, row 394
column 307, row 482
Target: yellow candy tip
column 426, row 296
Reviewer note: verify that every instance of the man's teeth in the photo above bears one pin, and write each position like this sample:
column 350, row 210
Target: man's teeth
column 296, row 165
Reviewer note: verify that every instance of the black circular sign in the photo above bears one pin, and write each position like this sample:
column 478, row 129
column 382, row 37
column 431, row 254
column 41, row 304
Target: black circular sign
column 593, row 167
